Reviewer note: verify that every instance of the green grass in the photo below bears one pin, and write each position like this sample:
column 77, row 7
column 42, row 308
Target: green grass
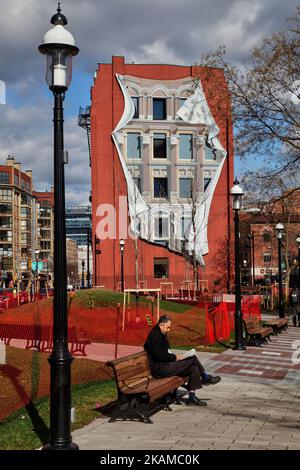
column 111, row 298
column 28, row 428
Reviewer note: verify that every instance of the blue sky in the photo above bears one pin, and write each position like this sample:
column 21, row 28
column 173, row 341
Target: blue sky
column 156, row 31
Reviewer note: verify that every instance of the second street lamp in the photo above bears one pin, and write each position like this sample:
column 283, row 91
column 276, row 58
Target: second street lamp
column 237, row 194
column 280, row 228
column 122, row 244
column 59, row 47
column 298, row 279
column 82, row 273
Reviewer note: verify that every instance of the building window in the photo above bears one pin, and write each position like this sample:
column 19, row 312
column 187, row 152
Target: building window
column 137, row 182
column 159, row 146
column 25, row 212
column 5, row 208
column 4, row 177
column 206, row 183
column 159, row 108
column 209, row 153
column 161, row 268
column 185, row 227
column 181, row 102
column 267, row 257
column 185, row 146
column 135, row 100
column 267, row 237
column 6, row 222
column 185, row 187
column 133, row 145
column 161, row 227
column 5, row 194
column 160, row 187
column 16, row 180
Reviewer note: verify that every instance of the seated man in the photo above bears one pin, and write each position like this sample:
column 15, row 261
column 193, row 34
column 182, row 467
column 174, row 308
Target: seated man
column 164, row 363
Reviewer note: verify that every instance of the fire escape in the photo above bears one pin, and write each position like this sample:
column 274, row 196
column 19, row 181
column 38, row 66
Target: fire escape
column 84, row 121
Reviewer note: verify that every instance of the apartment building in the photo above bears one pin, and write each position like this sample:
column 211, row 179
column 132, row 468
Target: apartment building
column 162, row 164
column 18, row 223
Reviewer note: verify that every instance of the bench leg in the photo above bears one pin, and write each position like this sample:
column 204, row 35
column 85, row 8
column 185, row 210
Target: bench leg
column 132, row 407
column 143, row 410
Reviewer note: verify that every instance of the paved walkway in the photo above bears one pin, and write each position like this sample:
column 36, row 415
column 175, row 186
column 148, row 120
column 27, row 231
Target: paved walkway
column 255, row 406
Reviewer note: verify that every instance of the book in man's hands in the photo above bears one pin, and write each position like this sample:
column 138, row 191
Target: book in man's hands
column 187, row 354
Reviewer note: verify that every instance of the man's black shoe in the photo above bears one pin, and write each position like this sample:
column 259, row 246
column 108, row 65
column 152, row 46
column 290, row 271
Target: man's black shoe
column 195, row 401
column 211, row 380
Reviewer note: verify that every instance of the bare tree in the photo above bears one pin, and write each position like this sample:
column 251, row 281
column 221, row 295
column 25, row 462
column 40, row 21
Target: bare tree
column 266, row 96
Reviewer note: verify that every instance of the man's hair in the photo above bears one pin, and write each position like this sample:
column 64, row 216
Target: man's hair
column 163, row 319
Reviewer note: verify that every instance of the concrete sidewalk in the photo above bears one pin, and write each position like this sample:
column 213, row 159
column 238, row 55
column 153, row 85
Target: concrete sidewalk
column 255, row 406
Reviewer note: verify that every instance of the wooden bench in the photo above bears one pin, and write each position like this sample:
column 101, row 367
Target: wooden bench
column 278, row 324
column 255, row 333
column 137, row 389
column 39, row 337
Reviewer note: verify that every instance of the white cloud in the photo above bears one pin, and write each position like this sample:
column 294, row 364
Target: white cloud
column 159, row 31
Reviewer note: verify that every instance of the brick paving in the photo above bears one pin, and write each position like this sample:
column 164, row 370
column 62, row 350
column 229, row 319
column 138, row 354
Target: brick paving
column 256, row 406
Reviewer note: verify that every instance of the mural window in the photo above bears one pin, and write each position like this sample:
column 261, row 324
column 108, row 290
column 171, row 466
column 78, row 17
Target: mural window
column 160, row 187
column 133, row 145
column 159, row 108
column 206, row 183
column 185, row 187
column 135, row 100
column 209, row 153
column 185, row 146
column 161, row 227
column 159, row 146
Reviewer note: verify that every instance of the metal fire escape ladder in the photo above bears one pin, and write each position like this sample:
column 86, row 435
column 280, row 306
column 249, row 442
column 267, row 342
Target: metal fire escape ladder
column 84, row 121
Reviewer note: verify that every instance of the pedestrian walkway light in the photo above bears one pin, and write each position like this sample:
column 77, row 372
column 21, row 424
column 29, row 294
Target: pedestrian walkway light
column 59, row 47
column 280, row 229
column 237, row 194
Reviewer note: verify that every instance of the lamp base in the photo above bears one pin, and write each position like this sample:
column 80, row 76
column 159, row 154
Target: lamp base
column 69, row 446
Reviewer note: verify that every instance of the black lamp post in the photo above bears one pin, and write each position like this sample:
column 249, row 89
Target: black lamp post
column 59, row 47
column 252, row 251
column 237, row 194
column 122, row 244
column 88, row 274
column 97, row 252
column 37, row 255
column 280, row 228
column 298, row 243
column 82, row 273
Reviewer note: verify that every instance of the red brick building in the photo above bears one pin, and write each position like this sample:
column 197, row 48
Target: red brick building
column 172, row 167
column 259, row 243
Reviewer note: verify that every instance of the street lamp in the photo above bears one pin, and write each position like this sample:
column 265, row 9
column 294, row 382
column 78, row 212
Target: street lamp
column 82, row 273
column 2, row 265
column 37, row 256
column 252, row 252
column 59, row 47
column 298, row 243
column 88, row 275
column 237, row 194
column 122, row 244
column 280, row 228
column 97, row 252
